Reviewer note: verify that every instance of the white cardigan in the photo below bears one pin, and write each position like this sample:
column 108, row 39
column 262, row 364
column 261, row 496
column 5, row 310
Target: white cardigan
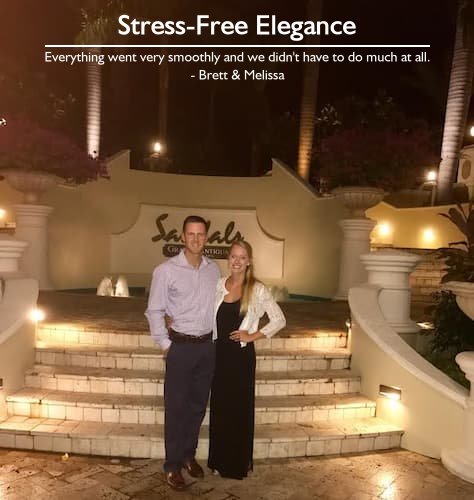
column 261, row 302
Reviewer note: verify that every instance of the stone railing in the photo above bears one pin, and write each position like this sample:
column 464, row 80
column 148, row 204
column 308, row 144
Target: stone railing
column 431, row 406
column 17, row 334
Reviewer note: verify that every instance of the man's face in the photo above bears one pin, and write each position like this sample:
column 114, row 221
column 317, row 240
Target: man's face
column 194, row 237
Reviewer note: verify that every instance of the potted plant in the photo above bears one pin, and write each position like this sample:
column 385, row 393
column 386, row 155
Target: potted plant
column 453, row 310
column 33, row 159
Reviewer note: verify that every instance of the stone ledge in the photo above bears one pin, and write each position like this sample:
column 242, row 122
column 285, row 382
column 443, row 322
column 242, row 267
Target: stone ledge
column 146, row 441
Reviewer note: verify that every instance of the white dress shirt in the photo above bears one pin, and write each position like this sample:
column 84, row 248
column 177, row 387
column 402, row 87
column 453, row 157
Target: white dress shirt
column 186, row 294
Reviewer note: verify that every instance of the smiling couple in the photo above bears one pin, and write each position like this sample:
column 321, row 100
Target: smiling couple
column 214, row 323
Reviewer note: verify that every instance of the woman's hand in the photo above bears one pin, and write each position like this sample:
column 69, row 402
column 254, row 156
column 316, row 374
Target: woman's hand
column 241, row 336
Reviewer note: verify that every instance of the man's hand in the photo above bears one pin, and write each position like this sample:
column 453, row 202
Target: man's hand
column 168, row 321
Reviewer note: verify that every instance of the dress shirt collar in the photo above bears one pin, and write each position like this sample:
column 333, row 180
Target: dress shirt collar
column 182, row 261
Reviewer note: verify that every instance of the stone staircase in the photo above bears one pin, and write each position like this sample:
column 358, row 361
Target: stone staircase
column 97, row 388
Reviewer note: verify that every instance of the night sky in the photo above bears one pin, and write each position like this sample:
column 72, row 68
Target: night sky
column 130, row 91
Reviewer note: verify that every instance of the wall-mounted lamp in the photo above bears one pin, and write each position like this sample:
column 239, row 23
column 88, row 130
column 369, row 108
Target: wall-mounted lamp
column 471, row 131
column 156, row 149
column 37, row 315
column 432, row 176
column 393, row 393
column 428, row 235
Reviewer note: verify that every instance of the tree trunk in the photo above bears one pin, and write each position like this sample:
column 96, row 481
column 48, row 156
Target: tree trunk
column 308, row 101
column 163, row 98
column 94, row 99
column 457, row 107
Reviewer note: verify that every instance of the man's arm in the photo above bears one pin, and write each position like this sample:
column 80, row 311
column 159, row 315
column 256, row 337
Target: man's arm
column 156, row 308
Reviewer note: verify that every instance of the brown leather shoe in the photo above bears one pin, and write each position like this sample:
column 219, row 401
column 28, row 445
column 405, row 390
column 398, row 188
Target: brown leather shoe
column 194, row 469
column 176, row 480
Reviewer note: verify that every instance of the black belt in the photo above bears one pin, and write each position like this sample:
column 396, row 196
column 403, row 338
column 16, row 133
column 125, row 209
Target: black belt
column 182, row 338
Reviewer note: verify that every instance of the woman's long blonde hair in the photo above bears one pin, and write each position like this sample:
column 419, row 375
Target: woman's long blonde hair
column 249, row 278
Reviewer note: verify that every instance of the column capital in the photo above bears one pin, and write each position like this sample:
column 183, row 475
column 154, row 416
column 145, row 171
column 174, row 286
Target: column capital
column 390, row 260
column 11, row 250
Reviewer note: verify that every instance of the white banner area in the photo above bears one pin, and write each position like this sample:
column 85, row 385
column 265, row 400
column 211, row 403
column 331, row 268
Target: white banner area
column 155, row 236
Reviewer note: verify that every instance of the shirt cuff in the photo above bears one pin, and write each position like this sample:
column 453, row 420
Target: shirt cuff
column 163, row 343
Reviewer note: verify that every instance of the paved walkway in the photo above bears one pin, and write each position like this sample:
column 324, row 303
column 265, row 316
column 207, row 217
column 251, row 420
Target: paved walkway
column 395, row 474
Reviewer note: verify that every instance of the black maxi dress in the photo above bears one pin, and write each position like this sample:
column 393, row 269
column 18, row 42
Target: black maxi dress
column 232, row 407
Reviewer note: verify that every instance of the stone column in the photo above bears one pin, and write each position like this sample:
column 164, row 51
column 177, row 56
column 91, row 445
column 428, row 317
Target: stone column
column 390, row 269
column 356, row 241
column 460, row 461
column 32, row 227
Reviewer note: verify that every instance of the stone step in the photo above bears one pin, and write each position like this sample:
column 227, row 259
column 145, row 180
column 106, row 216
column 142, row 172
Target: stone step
column 146, row 441
column 150, row 358
column 129, row 409
column 75, row 334
column 150, row 383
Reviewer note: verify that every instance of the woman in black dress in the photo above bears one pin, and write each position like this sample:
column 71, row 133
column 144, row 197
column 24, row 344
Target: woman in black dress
column 241, row 301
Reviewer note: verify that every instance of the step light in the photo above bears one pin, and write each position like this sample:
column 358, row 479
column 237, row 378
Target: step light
column 393, row 393
column 37, row 315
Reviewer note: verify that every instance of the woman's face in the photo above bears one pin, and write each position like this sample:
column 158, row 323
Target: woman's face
column 238, row 260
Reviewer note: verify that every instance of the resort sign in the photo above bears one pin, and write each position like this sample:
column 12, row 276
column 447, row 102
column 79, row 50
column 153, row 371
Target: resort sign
column 156, row 236
column 173, row 244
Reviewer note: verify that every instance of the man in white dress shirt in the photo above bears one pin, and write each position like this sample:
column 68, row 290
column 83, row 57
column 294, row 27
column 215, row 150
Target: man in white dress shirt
column 184, row 289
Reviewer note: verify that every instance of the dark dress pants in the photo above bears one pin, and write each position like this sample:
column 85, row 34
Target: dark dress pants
column 189, row 371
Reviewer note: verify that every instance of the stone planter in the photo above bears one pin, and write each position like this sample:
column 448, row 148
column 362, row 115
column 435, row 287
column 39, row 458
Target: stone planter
column 464, row 292
column 460, row 461
column 32, row 184
column 359, row 199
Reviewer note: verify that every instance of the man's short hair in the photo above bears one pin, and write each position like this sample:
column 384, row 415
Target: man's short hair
column 194, row 218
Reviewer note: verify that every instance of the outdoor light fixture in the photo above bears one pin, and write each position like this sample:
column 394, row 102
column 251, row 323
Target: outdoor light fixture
column 37, row 315
column 393, row 393
column 428, row 235
column 156, row 148
column 431, row 176
column 385, row 229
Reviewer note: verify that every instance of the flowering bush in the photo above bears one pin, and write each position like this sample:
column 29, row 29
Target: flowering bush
column 26, row 145
column 385, row 158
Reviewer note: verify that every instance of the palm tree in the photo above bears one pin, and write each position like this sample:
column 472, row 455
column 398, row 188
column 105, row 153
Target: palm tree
column 308, row 101
column 459, row 95
column 97, row 26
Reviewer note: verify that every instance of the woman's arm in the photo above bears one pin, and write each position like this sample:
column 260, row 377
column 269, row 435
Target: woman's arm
column 277, row 319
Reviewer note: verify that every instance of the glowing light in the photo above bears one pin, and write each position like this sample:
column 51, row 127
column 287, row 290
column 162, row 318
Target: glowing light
column 471, row 131
column 392, row 393
column 3, row 213
column 431, row 176
column 384, row 229
column 157, row 148
column 428, row 235
column 3, row 122
column 37, row 315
